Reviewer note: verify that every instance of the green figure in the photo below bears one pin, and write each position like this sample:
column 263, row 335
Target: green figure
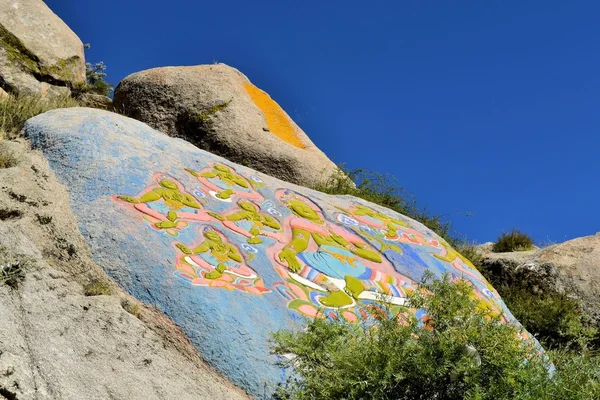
column 248, row 215
column 214, row 251
column 225, row 174
column 337, row 258
column 173, row 198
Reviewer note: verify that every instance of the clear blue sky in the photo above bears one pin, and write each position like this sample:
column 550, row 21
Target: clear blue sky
column 491, row 107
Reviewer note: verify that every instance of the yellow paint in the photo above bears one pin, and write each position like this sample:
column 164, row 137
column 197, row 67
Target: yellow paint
column 277, row 121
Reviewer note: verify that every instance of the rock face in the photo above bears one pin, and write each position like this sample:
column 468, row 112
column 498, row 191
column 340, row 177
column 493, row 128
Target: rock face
column 230, row 254
column 93, row 100
column 57, row 343
column 572, row 267
column 39, row 54
column 218, row 109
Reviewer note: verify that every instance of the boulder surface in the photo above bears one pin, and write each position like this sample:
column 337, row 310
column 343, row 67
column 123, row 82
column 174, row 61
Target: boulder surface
column 571, row 268
column 218, row 109
column 39, row 54
column 228, row 253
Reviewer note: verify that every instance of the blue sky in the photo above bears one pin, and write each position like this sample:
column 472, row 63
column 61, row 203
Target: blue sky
column 490, row 107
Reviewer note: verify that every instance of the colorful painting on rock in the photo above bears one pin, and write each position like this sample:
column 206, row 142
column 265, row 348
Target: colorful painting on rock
column 336, row 267
column 231, row 255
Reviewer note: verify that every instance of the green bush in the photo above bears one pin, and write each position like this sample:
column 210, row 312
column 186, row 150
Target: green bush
column 460, row 352
column 514, row 240
column 463, row 353
column 14, row 111
column 553, row 318
column 95, row 79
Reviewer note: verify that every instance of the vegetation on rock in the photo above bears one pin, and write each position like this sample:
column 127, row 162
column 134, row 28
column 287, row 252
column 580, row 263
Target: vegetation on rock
column 384, row 190
column 514, row 240
column 97, row 288
column 14, row 111
column 459, row 352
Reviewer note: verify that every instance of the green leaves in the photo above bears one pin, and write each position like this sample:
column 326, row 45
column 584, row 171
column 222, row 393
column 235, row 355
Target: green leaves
column 462, row 352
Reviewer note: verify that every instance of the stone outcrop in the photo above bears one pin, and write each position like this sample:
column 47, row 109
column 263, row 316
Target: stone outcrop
column 93, row 100
column 39, row 54
column 217, row 108
column 571, row 268
column 58, row 343
column 230, row 254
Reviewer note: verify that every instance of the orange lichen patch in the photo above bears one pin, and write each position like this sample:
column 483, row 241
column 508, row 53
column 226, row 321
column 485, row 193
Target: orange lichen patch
column 277, row 121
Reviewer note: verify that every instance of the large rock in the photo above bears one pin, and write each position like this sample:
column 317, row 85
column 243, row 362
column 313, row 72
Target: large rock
column 230, row 254
column 571, row 268
column 39, row 54
column 218, row 109
column 58, row 343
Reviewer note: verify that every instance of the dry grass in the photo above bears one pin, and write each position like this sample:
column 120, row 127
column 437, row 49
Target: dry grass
column 97, row 288
column 14, row 111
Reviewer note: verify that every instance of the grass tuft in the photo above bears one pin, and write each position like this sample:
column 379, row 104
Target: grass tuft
column 14, row 111
column 97, row 288
column 514, row 240
column 132, row 308
column 13, row 269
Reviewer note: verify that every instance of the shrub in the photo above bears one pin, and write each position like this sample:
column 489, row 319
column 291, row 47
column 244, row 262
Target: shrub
column 8, row 158
column 97, row 287
column 14, row 111
column 95, row 79
column 463, row 353
column 553, row 318
column 514, row 240
column 12, row 268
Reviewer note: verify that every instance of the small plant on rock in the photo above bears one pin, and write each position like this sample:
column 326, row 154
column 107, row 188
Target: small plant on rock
column 12, row 268
column 97, row 287
column 514, row 240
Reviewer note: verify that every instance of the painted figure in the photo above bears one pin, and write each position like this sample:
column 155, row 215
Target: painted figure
column 224, row 182
column 251, row 222
column 216, row 263
column 387, row 225
column 328, row 258
column 166, row 204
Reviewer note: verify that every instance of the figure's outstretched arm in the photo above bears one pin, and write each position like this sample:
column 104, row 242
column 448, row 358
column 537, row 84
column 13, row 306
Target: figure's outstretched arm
column 240, row 215
column 241, row 181
column 146, row 198
column 192, row 172
column 272, row 222
column 234, row 254
column 362, row 250
column 189, row 201
column 196, row 250
column 208, row 174
column 151, row 196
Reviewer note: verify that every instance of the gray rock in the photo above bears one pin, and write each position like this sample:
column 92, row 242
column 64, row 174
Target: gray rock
column 39, row 54
column 218, row 109
column 93, row 100
column 57, row 343
column 571, row 268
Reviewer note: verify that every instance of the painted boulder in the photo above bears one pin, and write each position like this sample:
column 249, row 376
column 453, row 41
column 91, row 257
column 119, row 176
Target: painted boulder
column 229, row 254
